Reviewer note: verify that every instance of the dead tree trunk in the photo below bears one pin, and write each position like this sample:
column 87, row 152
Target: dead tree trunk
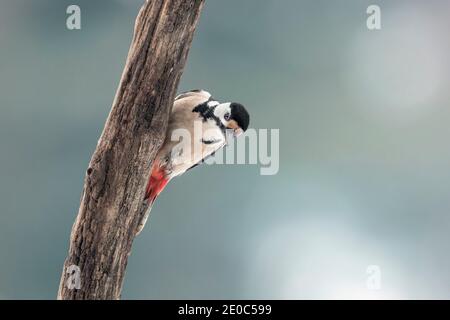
column 112, row 200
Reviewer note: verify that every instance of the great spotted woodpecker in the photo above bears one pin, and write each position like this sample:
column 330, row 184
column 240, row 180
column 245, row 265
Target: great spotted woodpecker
column 193, row 109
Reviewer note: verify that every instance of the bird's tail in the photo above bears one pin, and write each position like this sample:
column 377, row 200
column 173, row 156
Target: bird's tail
column 144, row 216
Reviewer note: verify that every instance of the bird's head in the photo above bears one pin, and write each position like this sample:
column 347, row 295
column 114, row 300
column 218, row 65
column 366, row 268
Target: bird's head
column 233, row 116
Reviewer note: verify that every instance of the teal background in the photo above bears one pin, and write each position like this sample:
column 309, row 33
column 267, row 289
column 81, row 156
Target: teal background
column 364, row 159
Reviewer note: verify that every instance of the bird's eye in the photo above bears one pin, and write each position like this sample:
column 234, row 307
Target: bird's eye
column 227, row 116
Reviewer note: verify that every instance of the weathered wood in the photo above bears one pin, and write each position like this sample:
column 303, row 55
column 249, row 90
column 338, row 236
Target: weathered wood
column 112, row 199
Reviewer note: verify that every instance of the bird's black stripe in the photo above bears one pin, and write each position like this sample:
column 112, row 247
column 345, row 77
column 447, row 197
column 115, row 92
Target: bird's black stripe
column 210, row 141
column 208, row 113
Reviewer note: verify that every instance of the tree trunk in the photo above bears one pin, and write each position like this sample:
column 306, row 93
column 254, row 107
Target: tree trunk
column 112, row 202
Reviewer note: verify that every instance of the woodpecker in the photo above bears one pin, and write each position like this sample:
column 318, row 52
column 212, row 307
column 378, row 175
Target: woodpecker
column 219, row 122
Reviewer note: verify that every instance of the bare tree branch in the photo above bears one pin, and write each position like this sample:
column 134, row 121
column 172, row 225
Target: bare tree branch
column 112, row 201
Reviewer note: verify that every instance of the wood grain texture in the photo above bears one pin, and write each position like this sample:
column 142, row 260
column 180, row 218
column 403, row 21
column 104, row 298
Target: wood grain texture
column 112, row 200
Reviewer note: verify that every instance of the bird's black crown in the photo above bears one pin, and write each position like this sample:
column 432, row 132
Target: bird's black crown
column 240, row 115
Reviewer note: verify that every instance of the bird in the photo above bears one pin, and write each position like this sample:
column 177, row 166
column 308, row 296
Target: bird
column 220, row 122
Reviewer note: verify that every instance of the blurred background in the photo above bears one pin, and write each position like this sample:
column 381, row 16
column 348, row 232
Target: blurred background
column 364, row 173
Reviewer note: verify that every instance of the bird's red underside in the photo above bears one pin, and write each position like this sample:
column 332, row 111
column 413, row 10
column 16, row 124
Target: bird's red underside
column 156, row 183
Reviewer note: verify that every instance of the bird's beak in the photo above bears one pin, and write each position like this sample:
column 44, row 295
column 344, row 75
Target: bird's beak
column 237, row 132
